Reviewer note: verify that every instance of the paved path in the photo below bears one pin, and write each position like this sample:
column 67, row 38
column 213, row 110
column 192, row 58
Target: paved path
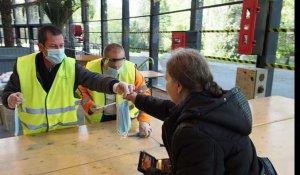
column 225, row 75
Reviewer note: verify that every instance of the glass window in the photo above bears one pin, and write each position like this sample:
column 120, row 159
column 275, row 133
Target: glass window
column 77, row 16
column 221, row 18
column 1, row 37
column 115, row 38
column 174, row 5
column 95, row 32
column 18, row 1
column 45, row 19
column 214, row 2
column 94, row 10
column 20, row 15
column 139, row 7
column 23, row 33
column 285, row 53
column 12, row 17
column 33, row 14
column 114, row 9
column 139, row 35
column 115, row 27
column 35, row 33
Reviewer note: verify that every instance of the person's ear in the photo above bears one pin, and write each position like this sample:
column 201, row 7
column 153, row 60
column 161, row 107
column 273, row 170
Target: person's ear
column 41, row 47
column 179, row 87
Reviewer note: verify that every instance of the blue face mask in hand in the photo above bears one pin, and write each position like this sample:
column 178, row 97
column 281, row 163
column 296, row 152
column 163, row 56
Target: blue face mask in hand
column 55, row 56
column 123, row 119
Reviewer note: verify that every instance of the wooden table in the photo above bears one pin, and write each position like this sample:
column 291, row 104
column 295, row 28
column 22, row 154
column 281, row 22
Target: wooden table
column 97, row 149
column 151, row 75
column 272, row 132
column 83, row 59
column 271, row 109
column 277, row 142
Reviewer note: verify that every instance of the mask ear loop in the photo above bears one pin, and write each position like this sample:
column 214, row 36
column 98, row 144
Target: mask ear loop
column 104, row 62
column 44, row 51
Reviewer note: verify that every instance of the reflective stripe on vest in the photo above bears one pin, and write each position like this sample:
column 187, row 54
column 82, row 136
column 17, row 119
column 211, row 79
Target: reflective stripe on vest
column 49, row 111
column 85, row 100
column 127, row 75
column 42, row 111
column 44, row 125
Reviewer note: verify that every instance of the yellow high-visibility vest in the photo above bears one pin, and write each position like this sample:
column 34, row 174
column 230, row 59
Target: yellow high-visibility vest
column 42, row 111
column 126, row 75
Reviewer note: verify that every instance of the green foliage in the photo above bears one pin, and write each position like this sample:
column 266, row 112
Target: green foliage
column 59, row 11
column 286, row 41
column 139, row 40
column 219, row 18
column 164, row 23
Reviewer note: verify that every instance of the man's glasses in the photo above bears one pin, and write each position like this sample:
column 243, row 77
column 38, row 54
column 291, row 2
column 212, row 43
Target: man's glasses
column 116, row 59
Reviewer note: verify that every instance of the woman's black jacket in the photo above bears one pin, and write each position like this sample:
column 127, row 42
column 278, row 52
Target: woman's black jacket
column 205, row 134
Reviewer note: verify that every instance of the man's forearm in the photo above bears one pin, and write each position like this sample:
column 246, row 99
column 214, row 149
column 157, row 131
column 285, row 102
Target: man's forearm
column 12, row 86
column 94, row 81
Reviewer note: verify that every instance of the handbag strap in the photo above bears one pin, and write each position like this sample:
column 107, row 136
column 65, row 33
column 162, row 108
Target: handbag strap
column 268, row 166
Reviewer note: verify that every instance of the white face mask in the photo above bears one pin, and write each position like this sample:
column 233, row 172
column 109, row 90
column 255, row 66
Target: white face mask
column 56, row 56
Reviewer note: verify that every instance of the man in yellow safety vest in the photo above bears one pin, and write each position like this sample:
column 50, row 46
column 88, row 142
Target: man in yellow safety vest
column 115, row 65
column 43, row 85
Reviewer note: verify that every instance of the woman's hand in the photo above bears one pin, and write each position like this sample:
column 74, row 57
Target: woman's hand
column 131, row 97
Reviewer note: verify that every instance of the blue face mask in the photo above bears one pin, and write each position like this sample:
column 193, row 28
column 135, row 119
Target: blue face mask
column 113, row 72
column 55, row 56
column 123, row 119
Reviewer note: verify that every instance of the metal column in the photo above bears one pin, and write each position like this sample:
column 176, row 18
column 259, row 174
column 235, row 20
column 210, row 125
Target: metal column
column 125, row 27
column 104, row 35
column 196, row 19
column 271, row 42
column 85, row 20
column 29, row 28
column 154, row 33
column 70, row 32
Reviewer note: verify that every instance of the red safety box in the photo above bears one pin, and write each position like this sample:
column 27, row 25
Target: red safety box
column 247, row 26
column 178, row 40
column 77, row 30
column 185, row 39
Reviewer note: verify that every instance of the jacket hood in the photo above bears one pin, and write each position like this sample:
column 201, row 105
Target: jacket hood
column 230, row 111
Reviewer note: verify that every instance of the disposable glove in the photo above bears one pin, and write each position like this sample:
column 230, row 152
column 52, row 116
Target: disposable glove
column 94, row 108
column 144, row 129
column 123, row 88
